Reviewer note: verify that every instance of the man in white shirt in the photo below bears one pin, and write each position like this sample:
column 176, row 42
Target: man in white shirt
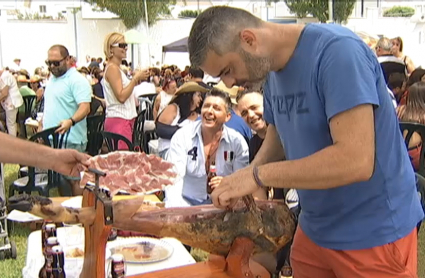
column 16, row 66
column 10, row 99
column 195, row 147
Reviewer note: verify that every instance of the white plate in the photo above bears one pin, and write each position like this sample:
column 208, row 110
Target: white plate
column 68, row 249
column 161, row 249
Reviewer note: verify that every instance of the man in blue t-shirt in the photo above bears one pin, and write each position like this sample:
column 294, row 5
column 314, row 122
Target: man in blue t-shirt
column 326, row 102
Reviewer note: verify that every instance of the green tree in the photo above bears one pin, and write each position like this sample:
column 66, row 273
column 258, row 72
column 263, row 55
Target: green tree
column 132, row 12
column 320, row 9
column 398, row 11
column 189, row 14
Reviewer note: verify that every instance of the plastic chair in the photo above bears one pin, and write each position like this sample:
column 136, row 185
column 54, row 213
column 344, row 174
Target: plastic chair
column 112, row 140
column 411, row 128
column 94, row 138
column 37, row 180
column 420, row 185
column 138, row 130
column 28, row 104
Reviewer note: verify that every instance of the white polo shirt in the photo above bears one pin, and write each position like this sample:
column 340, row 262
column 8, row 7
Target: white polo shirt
column 187, row 153
column 14, row 100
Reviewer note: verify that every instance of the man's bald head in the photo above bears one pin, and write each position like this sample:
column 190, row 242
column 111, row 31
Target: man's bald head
column 62, row 50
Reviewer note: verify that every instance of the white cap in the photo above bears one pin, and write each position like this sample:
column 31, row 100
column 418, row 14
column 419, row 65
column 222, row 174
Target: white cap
column 117, row 257
column 50, row 226
column 52, row 240
column 57, row 249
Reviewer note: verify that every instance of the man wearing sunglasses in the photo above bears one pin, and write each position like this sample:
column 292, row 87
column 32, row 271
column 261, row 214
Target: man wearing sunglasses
column 67, row 103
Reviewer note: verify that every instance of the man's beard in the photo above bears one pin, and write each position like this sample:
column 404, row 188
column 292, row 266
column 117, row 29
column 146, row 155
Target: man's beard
column 58, row 72
column 257, row 67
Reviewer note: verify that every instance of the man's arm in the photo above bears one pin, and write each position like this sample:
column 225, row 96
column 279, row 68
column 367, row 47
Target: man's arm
column 4, row 93
column 349, row 102
column 16, row 151
column 82, row 111
column 350, row 159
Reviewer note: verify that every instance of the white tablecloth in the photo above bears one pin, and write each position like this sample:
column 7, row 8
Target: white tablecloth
column 35, row 259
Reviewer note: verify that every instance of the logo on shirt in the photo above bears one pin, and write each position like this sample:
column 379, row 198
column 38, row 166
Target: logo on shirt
column 289, row 103
column 229, row 156
column 193, row 152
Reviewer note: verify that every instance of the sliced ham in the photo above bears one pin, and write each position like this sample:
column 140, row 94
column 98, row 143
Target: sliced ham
column 130, row 172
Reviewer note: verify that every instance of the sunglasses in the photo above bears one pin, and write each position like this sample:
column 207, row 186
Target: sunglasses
column 54, row 63
column 120, row 45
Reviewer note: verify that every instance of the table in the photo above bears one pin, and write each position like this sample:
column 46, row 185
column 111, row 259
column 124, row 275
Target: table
column 35, row 260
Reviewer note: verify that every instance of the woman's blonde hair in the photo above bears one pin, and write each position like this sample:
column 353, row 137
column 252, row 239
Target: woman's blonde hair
column 110, row 39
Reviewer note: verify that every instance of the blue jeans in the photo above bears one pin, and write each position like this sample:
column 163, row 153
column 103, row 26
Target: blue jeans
column 194, row 202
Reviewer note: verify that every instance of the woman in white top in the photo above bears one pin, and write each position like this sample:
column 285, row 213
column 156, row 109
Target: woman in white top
column 184, row 108
column 10, row 99
column 118, row 89
column 164, row 97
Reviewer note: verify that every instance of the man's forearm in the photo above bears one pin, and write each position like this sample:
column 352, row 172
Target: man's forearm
column 14, row 150
column 82, row 112
column 331, row 167
column 271, row 150
column 4, row 93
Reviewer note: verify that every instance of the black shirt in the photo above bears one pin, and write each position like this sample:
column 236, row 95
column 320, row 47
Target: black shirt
column 254, row 145
column 391, row 64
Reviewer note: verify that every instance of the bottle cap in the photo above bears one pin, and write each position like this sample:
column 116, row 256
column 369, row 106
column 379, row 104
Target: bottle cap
column 117, row 257
column 57, row 249
column 50, row 226
column 52, row 240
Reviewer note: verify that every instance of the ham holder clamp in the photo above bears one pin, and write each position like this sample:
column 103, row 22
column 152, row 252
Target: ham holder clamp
column 231, row 237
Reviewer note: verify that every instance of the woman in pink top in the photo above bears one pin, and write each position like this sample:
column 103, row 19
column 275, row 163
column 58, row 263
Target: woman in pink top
column 118, row 89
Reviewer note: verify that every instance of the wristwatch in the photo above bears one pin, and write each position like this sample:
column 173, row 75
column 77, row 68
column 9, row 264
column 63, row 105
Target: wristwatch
column 73, row 122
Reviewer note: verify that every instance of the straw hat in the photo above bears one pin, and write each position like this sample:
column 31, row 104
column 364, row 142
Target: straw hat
column 233, row 92
column 35, row 78
column 189, row 87
column 22, row 78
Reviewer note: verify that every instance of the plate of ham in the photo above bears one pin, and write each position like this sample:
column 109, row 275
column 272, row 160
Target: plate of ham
column 130, row 173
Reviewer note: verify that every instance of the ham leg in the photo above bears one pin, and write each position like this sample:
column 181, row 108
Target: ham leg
column 205, row 227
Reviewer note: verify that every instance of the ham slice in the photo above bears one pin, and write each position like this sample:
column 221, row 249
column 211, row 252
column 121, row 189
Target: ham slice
column 130, row 172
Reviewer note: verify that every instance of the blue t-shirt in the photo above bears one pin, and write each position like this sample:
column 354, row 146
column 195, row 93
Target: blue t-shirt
column 237, row 123
column 332, row 71
column 61, row 100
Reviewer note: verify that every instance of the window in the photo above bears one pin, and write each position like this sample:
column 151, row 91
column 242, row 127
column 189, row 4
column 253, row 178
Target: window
column 42, row 9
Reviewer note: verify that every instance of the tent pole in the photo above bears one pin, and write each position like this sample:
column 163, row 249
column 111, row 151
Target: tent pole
column 132, row 56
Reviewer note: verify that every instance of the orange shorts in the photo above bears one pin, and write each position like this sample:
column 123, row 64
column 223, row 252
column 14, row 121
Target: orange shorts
column 397, row 259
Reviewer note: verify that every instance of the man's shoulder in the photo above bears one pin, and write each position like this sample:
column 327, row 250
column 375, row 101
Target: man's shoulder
column 234, row 135
column 187, row 131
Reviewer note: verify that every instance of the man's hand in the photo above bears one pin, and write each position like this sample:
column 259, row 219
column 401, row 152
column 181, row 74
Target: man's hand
column 233, row 187
column 69, row 162
column 65, row 125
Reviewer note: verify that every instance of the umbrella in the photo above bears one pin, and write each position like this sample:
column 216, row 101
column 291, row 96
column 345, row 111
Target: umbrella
column 133, row 37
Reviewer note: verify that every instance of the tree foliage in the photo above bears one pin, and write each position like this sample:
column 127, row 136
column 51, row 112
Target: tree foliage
column 132, row 11
column 189, row 14
column 398, row 11
column 320, row 9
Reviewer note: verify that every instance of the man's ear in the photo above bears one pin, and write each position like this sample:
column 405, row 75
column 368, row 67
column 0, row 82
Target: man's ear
column 228, row 116
column 249, row 41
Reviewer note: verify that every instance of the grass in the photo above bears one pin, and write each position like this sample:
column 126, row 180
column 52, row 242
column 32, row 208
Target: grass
column 13, row 268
